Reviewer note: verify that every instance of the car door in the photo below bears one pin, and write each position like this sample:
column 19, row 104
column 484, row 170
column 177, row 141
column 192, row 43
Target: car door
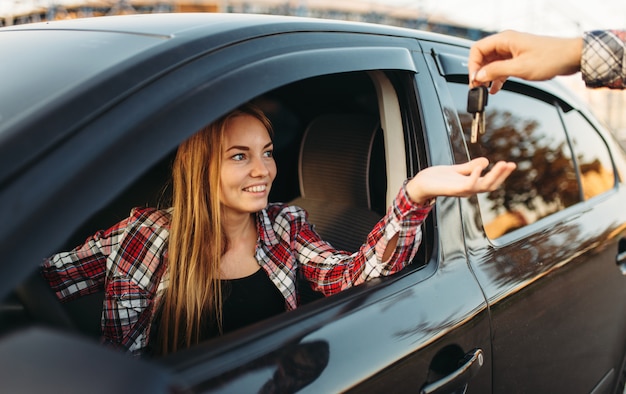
column 426, row 328
column 544, row 248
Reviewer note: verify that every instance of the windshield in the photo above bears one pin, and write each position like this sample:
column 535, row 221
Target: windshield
column 39, row 66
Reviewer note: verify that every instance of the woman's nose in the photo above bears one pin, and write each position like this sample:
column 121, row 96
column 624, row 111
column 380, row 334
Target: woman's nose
column 259, row 167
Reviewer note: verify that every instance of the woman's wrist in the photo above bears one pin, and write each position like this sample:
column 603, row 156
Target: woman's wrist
column 427, row 202
column 415, row 193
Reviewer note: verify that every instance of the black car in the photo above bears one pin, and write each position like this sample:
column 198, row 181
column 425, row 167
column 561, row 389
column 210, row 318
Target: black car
column 519, row 290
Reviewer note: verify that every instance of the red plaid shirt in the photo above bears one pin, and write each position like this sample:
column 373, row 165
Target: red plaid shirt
column 129, row 262
column 603, row 60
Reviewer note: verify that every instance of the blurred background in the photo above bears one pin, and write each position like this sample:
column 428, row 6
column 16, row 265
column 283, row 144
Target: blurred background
column 468, row 19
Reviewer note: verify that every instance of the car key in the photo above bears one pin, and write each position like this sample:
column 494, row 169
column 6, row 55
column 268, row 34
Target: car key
column 476, row 103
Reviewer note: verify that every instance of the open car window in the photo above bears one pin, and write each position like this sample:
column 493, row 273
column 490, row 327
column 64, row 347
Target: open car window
column 340, row 150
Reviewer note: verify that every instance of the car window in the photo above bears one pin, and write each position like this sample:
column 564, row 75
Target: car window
column 353, row 109
column 529, row 132
column 592, row 155
column 353, row 105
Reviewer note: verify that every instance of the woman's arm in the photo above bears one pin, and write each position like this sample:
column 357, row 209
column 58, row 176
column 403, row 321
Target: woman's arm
column 330, row 270
column 82, row 270
column 396, row 237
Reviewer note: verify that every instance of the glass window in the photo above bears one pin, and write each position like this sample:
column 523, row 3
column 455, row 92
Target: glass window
column 530, row 133
column 92, row 52
column 592, row 155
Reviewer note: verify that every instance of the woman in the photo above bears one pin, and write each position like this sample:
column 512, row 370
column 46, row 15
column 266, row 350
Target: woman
column 222, row 257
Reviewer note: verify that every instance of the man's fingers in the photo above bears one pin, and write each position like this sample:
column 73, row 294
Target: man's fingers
column 496, row 86
column 500, row 70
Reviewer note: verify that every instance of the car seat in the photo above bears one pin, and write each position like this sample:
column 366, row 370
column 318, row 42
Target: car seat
column 341, row 173
column 342, row 179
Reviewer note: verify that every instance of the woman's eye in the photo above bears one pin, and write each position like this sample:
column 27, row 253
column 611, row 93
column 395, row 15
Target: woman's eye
column 238, row 157
column 269, row 153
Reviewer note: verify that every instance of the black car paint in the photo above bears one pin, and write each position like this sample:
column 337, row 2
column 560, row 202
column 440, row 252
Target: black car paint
column 559, row 274
column 393, row 333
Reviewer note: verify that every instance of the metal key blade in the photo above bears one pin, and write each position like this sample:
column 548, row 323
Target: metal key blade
column 476, row 102
column 481, row 128
column 475, row 127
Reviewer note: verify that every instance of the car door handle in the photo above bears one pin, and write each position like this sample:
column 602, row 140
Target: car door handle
column 471, row 363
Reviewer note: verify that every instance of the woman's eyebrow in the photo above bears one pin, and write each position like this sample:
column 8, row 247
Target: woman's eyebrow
column 247, row 148
column 238, row 147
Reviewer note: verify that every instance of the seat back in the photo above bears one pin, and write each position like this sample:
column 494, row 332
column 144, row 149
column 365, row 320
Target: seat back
column 335, row 171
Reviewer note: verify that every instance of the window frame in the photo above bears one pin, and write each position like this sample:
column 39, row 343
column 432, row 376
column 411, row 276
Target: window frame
column 603, row 142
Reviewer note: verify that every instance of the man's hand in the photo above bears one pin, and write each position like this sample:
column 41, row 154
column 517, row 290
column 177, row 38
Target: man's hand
column 513, row 54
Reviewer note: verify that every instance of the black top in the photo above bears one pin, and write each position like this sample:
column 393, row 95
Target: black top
column 246, row 300
column 250, row 299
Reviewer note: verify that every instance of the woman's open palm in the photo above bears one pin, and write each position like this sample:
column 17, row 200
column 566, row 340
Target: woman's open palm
column 459, row 180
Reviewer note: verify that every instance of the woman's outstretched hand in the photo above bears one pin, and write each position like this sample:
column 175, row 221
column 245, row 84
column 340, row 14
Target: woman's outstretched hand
column 460, row 180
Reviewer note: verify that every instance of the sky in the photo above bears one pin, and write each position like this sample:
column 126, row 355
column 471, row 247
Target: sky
column 556, row 17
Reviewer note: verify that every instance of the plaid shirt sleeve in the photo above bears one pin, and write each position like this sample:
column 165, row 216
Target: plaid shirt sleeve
column 331, row 271
column 82, row 271
column 127, row 261
column 603, row 60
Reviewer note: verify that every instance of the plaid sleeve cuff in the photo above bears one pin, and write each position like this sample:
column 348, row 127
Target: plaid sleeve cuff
column 603, row 62
column 404, row 207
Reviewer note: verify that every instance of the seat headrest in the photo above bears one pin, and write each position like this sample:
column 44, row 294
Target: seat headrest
column 335, row 157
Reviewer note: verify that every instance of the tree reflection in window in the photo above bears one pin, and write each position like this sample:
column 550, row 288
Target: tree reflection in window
column 528, row 132
column 592, row 155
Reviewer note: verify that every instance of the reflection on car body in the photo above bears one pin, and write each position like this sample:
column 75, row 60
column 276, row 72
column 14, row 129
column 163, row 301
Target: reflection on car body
column 525, row 276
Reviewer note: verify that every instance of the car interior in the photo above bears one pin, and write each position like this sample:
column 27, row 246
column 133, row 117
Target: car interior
column 332, row 144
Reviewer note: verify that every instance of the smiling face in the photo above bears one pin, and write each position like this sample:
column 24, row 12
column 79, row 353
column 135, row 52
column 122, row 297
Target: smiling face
column 248, row 168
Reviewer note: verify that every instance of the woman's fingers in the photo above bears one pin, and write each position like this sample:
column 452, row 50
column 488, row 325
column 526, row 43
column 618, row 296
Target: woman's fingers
column 473, row 182
column 477, row 164
column 495, row 177
column 459, row 180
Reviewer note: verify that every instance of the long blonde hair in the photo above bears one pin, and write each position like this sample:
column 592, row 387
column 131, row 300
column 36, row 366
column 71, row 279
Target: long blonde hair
column 196, row 240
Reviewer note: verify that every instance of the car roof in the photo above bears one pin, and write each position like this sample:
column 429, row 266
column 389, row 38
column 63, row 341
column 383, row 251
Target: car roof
column 194, row 24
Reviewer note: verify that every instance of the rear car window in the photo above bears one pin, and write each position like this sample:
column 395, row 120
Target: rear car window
column 592, row 155
column 530, row 133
